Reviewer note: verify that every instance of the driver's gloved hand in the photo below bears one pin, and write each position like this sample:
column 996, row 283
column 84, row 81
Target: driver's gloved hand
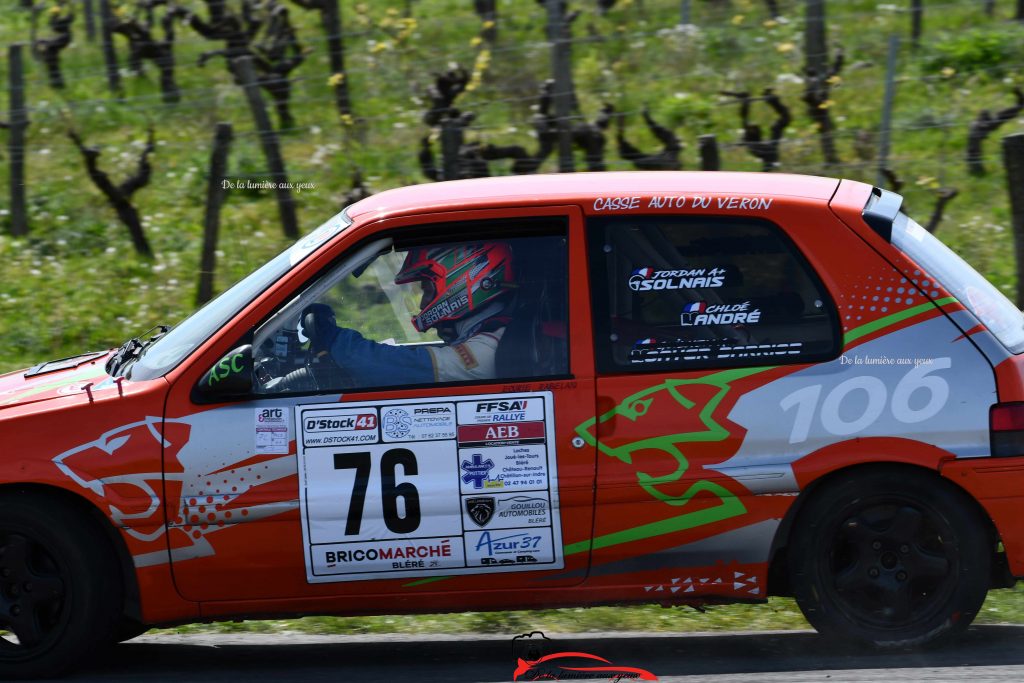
column 317, row 323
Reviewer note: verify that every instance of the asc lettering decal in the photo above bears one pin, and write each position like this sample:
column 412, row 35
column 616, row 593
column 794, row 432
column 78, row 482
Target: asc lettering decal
column 227, row 367
column 649, row 279
column 700, row 313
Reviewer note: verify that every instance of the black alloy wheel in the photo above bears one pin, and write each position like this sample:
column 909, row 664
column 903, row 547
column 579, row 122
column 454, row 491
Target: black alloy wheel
column 32, row 595
column 61, row 590
column 891, row 557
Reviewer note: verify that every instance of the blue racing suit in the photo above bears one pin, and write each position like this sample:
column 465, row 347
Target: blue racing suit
column 373, row 364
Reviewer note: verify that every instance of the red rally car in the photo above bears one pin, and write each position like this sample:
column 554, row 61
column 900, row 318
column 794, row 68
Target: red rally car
column 536, row 392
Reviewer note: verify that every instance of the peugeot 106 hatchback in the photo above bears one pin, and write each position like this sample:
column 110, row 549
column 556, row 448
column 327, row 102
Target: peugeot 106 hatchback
column 527, row 392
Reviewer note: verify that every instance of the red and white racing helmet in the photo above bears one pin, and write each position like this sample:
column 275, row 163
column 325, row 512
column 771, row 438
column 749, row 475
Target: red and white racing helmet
column 465, row 280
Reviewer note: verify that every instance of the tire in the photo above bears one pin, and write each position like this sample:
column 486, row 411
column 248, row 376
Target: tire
column 60, row 586
column 890, row 558
column 127, row 629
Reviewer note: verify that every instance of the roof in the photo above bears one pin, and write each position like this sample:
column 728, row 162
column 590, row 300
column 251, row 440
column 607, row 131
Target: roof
column 564, row 188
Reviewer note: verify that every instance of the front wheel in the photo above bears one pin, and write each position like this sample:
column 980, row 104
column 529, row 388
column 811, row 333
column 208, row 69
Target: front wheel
column 891, row 558
column 60, row 586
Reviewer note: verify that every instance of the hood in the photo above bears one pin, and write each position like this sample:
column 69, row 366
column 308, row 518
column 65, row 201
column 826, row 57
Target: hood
column 69, row 376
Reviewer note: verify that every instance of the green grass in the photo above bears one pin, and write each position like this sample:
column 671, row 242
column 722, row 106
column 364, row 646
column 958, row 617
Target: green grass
column 75, row 283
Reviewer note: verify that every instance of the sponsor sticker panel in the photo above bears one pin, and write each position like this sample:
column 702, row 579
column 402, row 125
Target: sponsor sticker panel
column 515, row 547
column 461, row 485
column 339, row 427
column 700, row 313
column 501, row 408
column 651, row 280
column 652, row 350
column 272, row 430
column 418, row 422
column 506, row 511
column 375, row 557
column 503, row 468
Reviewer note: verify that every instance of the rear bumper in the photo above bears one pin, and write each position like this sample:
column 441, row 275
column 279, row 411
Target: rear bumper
column 998, row 485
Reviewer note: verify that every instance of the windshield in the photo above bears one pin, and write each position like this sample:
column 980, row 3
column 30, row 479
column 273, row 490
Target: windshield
column 166, row 353
column 987, row 303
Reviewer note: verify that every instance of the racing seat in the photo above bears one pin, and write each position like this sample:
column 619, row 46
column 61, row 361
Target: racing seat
column 534, row 343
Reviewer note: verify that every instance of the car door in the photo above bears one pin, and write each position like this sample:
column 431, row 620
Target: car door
column 359, row 475
column 736, row 358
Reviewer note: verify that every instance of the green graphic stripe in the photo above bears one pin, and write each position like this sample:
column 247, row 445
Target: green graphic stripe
column 420, row 582
column 64, row 380
column 730, row 507
column 892, row 319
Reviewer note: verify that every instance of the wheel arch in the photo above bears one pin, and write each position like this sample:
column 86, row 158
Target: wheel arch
column 132, row 607
column 778, row 581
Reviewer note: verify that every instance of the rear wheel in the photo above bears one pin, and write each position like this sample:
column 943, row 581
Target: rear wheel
column 890, row 557
column 60, row 586
column 127, row 629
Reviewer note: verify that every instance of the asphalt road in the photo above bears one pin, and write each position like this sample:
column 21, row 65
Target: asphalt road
column 985, row 653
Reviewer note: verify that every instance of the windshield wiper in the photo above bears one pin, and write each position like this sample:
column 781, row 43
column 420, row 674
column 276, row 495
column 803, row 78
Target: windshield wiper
column 132, row 350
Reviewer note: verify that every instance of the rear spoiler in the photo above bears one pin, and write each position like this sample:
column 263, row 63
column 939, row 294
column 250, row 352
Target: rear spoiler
column 881, row 210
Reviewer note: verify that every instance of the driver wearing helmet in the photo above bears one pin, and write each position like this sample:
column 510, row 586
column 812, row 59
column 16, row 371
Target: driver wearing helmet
column 466, row 292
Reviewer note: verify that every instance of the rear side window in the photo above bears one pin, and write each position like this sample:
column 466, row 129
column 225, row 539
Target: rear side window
column 987, row 303
column 695, row 292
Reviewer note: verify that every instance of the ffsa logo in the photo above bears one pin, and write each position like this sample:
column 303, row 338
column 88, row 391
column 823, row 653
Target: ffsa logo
column 502, row 406
column 271, row 415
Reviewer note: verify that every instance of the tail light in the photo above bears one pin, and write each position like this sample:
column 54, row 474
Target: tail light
column 1006, row 425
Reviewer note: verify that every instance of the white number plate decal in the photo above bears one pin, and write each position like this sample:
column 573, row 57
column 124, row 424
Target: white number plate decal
column 423, row 487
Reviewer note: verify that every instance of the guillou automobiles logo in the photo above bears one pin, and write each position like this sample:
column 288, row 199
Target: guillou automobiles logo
column 480, row 510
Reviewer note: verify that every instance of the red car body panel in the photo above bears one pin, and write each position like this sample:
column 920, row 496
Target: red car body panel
column 653, row 470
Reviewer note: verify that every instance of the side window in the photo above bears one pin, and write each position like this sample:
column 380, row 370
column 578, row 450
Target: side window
column 697, row 292
column 412, row 313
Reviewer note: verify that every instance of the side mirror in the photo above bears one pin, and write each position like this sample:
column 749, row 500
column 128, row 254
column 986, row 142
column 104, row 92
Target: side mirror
column 230, row 377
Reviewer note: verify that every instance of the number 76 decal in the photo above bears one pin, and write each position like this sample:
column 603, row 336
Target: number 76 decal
column 921, row 379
